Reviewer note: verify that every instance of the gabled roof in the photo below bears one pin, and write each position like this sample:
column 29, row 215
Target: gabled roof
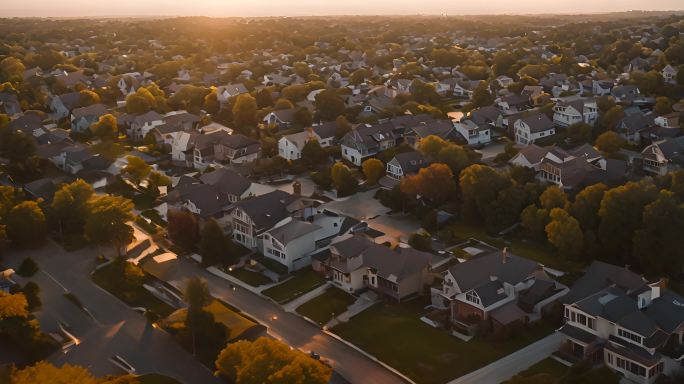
column 91, row 110
column 267, row 210
column 292, row 230
column 478, row 271
column 602, row 275
column 226, row 181
column 538, row 122
column 410, row 162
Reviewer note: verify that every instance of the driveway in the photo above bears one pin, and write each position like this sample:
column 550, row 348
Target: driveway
column 287, row 327
column 113, row 327
column 507, row 367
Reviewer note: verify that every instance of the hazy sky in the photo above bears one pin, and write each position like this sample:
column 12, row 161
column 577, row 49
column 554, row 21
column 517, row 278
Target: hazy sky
column 66, row 8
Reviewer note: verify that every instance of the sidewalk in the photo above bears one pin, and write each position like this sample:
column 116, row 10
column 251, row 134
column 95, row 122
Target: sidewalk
column 235, row 281
column 294, row 304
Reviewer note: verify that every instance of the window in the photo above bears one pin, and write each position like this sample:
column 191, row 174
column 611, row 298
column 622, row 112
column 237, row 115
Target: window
column 610, row 358
column 629, row 335
column 472, row 297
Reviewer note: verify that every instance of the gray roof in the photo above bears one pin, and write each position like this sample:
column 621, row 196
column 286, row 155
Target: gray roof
column 602, row 275
column 411, row 162
column 325, row 130
column 96, row 110
column 478, row 270
column 226, row 181
column 538, row 122
column 293, row 230
column 205, row 197
column 267, row 210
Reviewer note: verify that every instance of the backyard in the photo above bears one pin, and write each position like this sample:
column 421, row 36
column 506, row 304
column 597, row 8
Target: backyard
column 301, row 282
column 394, row 334
column 321, row 308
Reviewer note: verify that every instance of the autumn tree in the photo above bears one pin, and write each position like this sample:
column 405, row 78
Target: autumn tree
column 106, row 127
column 13, row 305
column 70, row 206
column 553, row 197
column 107, row 221
column 268, row 361
column 245, row 111
column 313, row 154
column 610, row 142
column 534, row 220
column 430, row 146
column 435, row 183
column 140, row 102
column 455, row 157
column 373, row 169
column 329, row 105
column 26, row 226
column 302, row 117
column 659, row 244
column 213, row 244
column 88, row 97
column 343, row 180
column 46, row 373
column 183, row 229
column 564, row 232
column 136, row 169
column 586, row 206
column 343, row 127
column 480, row 185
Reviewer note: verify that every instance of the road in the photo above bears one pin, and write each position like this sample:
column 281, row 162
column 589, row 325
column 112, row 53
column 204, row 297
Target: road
column 113, row 328
column 288, row 327
column 508, row 366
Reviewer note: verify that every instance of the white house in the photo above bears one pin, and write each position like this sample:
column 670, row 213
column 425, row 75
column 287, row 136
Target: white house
column 567, row 113
column 473, row 133
column 291, row 243
column 290, row 146
column 531, row 128
column 670, row 74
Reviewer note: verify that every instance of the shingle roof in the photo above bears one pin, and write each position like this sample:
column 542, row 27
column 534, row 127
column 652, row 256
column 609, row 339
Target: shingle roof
column 226, row 181
column 478, row 270
column 267, row 210
column 293, row 230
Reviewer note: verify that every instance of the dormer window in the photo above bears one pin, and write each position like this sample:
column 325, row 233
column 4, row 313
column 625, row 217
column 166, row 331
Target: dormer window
column 472, row 297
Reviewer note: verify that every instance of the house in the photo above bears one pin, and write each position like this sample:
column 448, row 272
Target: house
column 282, row 119
column 415, row 128
column 367, row 140
column 567, row 113
column 491, row 284
column 291, row 244
column 355, row 263
column 225, row 92
column 601, row 88
column 9, row 104
column 326, row 133
column 206, row 201
column 670, row 74
column 82, row 118
column 513, row 103
column 625, row 93
column 62, row 105
column 252, row 217
column 140, row 125
column 671, row 120
column 238, row 149
column 616, row 317
column 29, row 123
column 228, row 184
column 290, row 146
column 533, row 127
column 633, row 124
column 664, row 156
column 472, row 133
column 402, row 164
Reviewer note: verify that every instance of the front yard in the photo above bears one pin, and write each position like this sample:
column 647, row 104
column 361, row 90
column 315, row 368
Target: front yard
column 255, row 279
column 321, row 308
column 302, row 282
column 394, row 334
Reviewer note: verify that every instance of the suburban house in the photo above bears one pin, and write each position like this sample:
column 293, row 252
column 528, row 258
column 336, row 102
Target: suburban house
column 472, row 133
column 531, row 128
column 664, row 156
column 402, row 164
column 634, row 124
column 282, row 118
column 62, row 105
column 291, row 243
column 290, row 146
column 354, row 263
column 204, row 200
column 225, row 92
column 615, row 317
column 367, row 140
column 496, row 285
column 82, row 118
column 413, row 133
column 601, row 88
column 254, row 216
column 670, row 74
column 221, row 147
column 229, row 184
column 567, row 113
column 625, row 93
column 139, row 125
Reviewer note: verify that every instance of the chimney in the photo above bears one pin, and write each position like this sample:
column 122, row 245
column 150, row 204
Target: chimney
column 504, row 255
column 297, row 188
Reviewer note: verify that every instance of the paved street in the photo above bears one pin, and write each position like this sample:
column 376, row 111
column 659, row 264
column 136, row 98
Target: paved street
column 113, row 328
column 288, row 327
column 506, row 367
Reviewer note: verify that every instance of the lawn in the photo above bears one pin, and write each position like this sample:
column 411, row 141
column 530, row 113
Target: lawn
column 273, row 265
column 110, row 279
column 302, row 282
column 233, row 321
column 255, row 279
column 544, row 254
column 548, row 366
column 394, row 334
column 321, row 308
column 155, row 378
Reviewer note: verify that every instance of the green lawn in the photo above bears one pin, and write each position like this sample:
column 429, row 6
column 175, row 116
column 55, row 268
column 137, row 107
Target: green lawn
column 254, row 279
column 321, row 308
column 548, row 366
column 273, row 265
column 394, row 334
column 111, row 280
column 155, row 378
column 542, row 253
column 302, row 282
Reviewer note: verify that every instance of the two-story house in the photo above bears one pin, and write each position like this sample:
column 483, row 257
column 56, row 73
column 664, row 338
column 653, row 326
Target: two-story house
column 291, row 243
column 290, row 146
column 472, row 133
column 282, row 118
column 225, row 92
column 82, row 118
column 664, row 156
column 615, row 317
column 365, row 141
column 567, row 113
column 533, row 127
column 402, row 164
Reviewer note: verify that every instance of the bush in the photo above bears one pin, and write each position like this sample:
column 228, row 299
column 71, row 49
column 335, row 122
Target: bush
column 28, row 267
column 32, row 292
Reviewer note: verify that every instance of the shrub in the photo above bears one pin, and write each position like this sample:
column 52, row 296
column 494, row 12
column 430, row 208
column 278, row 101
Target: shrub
column 28, row 267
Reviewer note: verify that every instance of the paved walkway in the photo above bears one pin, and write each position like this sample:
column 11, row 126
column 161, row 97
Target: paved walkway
column 294, row 304
column 363, row 302
column 506, row 367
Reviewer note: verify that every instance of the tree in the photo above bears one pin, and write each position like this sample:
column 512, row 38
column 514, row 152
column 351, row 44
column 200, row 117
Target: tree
column 663, row 106
column 211, row 103
column 136, row 169
column 611, row 118
column 198, row 321
column 659, row 244
column 431, row 145
column 435, row 182
column 13, row 305
column 343, row 127
column 11, row 70
column 141, row 101
column 245, row 111
column 610, row 142
column 534, row 221
column 564, row 232
column 213, row 245
column 373, row 169
column 3, row 238
column 455, row 157
column 586, row 206
column 580, row 132
column 107, row 221
column 313, row 154
column 282, row 104
column 329, row 105
column 27, row 268
column 106, row 127
column 88, row 97
column 480, row 185
column 32, row 293
column 26, row 225
column 69, row 206
column 46, row 373
column 183, row 229
column 302, row 117
column 481, row 96
column 268, row 361
column 553, row 197
column 621, row 214
column 343, row 180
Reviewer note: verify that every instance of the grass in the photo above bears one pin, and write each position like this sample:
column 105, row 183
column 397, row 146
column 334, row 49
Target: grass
column 155, row 378
column 548, row 366
column 544, row 254
column 110, row 279
column 273, row 265
column 232, row 320
column 394, row 334
column 255, row 279
column 302, row 282
column 321, row 308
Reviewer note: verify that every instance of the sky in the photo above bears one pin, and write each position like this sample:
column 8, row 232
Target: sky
column 222, row 8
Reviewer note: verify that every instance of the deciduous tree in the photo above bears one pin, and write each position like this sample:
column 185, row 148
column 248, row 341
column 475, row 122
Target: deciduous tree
column 26, row 225
column 564, row 232
column 183, row 229
column 245, row 111
column 107, row 221
column 373, row 169
column 213, row 245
